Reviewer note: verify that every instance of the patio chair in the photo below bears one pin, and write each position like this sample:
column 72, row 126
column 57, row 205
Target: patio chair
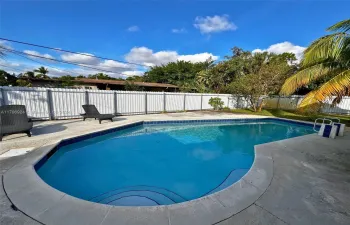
column 92, row 112
column 14, row 120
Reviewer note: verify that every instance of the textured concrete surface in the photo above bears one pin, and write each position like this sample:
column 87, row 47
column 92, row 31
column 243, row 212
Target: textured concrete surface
column 310, row 185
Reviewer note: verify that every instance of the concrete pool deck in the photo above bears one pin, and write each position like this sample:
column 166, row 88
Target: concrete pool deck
column 309, row 184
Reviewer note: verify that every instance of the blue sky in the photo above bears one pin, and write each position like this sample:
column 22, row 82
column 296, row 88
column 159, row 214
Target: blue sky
column 156, row 32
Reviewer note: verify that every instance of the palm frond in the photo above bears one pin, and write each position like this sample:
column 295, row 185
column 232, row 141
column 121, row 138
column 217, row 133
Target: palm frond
column 309, row 104
column 337, row 86
column 329, row 47
column 342, row 26
column 304, row 77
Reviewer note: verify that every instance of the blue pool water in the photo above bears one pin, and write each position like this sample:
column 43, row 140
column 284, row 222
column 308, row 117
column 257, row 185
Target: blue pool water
column 161, row 164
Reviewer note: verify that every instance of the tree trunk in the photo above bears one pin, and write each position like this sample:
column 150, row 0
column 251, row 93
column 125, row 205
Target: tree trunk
column 253, row 105
column 261, row 105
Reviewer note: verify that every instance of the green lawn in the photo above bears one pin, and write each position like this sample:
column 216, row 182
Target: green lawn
column 292, row 115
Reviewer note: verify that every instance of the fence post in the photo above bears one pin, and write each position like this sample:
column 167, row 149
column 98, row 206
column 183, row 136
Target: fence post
column 3, row 101
column 49, row 103
column 278, row 102
column 201, row 102
column 86, row 98
column 184, row 102
column 164, row 102
column 145, row 102
column 228, row 101
column 115, row 103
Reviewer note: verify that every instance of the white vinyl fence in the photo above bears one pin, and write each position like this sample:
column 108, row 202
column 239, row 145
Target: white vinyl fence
column 57, row 103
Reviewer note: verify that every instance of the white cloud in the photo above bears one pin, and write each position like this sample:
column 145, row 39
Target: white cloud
column 133, row 29
column 282, row 47
column 178, row 31
column 214, row 24
column 115, row 64
column 133, row 73
column 82, row 59
column 200, row 57
column 5, row 44
column 147, row 57
column 35, row 53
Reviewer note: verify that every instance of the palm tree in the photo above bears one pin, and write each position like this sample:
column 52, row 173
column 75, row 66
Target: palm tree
column 42, row 71
column 326, row 58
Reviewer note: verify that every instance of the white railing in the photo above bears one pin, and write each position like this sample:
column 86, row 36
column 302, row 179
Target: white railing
column 59, row 103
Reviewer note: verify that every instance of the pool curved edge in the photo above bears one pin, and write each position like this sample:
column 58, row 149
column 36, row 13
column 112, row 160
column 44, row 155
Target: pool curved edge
column 34, row 197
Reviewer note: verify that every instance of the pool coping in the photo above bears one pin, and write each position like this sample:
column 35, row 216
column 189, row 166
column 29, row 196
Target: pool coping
column 38, row 200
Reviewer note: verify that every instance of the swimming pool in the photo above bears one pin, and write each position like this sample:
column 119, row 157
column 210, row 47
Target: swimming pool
column 160, row 163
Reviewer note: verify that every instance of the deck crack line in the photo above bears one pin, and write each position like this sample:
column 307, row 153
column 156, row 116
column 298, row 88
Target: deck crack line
column 109, row 209
column 273, row 175
column 270, row 213
column 168, row 214
column 3, row 187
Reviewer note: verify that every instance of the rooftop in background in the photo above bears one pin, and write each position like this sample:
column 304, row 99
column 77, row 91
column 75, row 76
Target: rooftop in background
column 120, row 82
column 85, row 83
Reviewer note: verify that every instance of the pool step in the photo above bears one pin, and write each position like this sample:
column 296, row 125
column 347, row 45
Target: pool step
column 233, row 177
column 139, row 196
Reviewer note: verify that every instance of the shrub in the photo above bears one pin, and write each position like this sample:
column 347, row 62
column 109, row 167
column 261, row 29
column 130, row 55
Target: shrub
column 216, row 103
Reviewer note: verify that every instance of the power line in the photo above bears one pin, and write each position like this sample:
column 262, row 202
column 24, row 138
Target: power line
column 61, row 61
column 68, row 51
column 67, row 71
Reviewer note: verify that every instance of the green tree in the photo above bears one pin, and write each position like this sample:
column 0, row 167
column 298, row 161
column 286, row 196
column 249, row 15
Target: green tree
column 67, row 81
column 100, row 76
column 135, row 78
column 7, row 79
column 42, row 72
column 265, row 79
column 179, row 73
column 28, row 74
column 327, row 58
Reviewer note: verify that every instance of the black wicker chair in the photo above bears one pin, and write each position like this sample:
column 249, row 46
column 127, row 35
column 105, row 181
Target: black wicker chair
column 92, row 112
column 14, row 120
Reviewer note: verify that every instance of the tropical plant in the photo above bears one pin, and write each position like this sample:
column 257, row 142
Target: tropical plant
column 326, row 58
column 41, row 72
column 216, row 103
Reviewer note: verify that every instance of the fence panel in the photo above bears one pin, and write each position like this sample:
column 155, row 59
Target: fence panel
column 103, row 100
column 131, row 102
column 342, row 108
column 174, row 102
column 66, row 103
column 289, row 103
column 193, row 102
column 35, row 100
column 155, row 102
